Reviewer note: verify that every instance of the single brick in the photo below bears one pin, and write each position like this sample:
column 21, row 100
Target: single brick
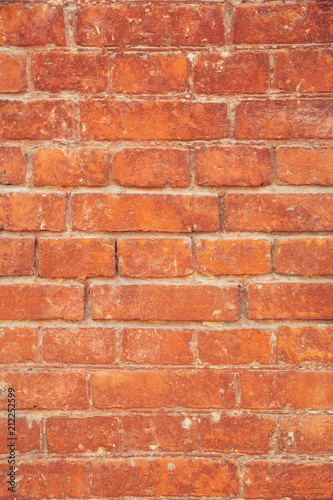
column 73, row 167
column 285, row 119
column 290, row 390
column 163, row 389
column 17, row 256
column 282, row 212
column 217, row 257
column 155, row 257
column 18, row 345
column 305, row 256
column 301, row 165
column 12, row 165
column 240, row 72
column 96, row 434
column 151, row 25
column 165, row 302
column 291, row 301
column 30, row 25
column 157, row 346
column 76, row 257
column 309, row 434
column 37, row 301
column 152, row 73
column 145, row 212
column 43, row 119
column 111, row 120
column 232, row 166
column 27, row 428
column 13, row 76
column 306, row 344
column 79, row 345
column 32, row 212
column 235, row 347
column 151, row 167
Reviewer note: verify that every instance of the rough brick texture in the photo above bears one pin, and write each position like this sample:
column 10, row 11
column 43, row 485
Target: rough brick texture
column 166, row 249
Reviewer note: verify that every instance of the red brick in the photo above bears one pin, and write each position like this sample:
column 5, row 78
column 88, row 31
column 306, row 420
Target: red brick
column 305, row 256
column 47, row 390
column 152, row 73
column 162, row 433
column 13, row 76
column 151, row 25
column 56, row 71
column 73, row 167
column 163, row 389
column 292, row 390
column 151, row 167
column 79, row 345
column 310, row 434
column 285, row 119
column 37, row 119
column 17, row 256
column 110, row 120
column 165, row 302
column 76, row 257
column 171, row 476
column 81, row 435
column 157, row 346
column 18, row 345
column 32, row 212
column 27, row 429
column 301, row 165
column 282, row 212
column 145, row 212
column 291, row 301
column 156, row 257
column 306, row 344
column 31, row 25
column 293, row 73
column 236, row 433
column 235, row 347
column 300, row 480
column 217, row 257
column 37, row 301
column 12, row 165
column 275, row 24
column 235, row 165
column 241, row 72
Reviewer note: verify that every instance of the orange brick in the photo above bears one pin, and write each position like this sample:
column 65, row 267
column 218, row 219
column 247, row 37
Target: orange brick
column 37, row 301
column 301, row 165
column 306, row 344
column 76, row 257
column 18, row 345
column 111, row 120
column 217, row 257
column 17, row 256
column 79, row 345
column 310, row 434
column 305, row 256
column 13, row 76
column 155, row 257
column 157, row 346
column 27, row 428
column 165, row 302
column 151, row 167
column 235, row 347
column 145, row 212
column 12, row 165
column 152, row 73
column 163, row 389
column 291, row 301
column 232, row 166
column 73, row 167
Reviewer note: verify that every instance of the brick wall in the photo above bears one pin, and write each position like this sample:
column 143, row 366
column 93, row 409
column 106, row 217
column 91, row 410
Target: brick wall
column 165, row 254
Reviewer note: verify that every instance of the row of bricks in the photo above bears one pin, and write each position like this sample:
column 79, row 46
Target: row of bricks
column 95, row 345
column 159, row 120
column 168, row 257
column 167, row 213
column 137, row 73
column 161, row 302
column 170, row 389
column 215, row 166
column 163, row 25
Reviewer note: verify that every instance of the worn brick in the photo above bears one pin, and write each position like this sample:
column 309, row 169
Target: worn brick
column 304, row 165
column 13, row 76
column 305, row 344
column 27, row 427
column 18, row 345
column 17, row 256
column 12, row 165
column 304, row 256
column 310, row 434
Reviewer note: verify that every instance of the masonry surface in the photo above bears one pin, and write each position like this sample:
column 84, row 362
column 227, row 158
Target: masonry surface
column 166, row 255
